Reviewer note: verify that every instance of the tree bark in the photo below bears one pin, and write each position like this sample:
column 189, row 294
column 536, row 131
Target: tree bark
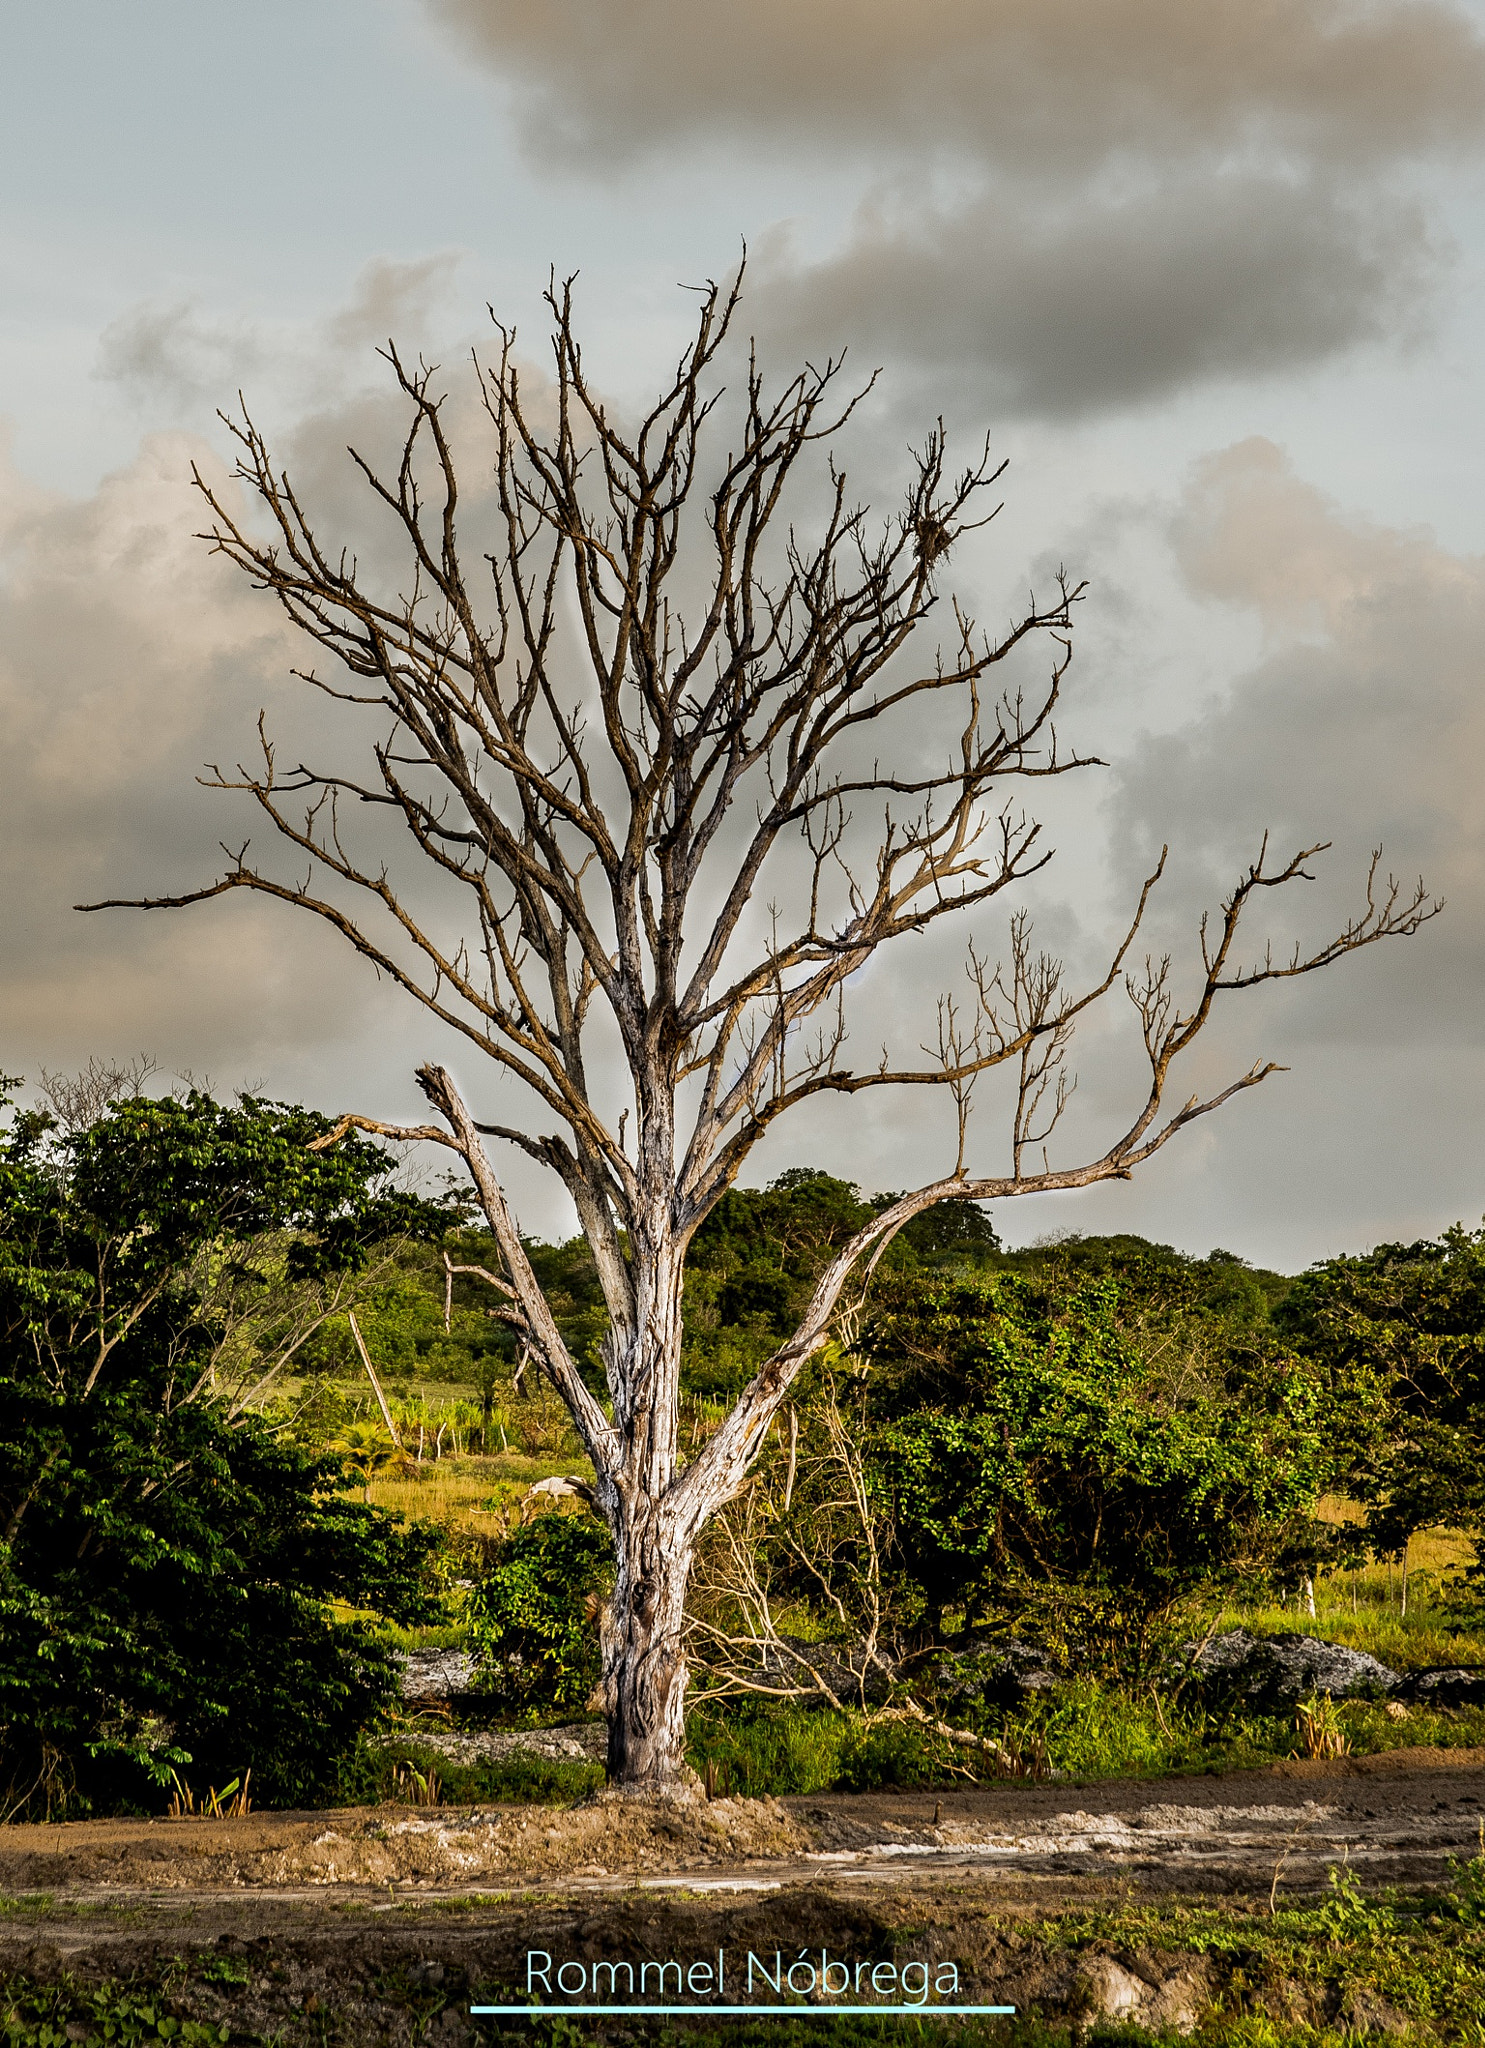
column 644, row 1664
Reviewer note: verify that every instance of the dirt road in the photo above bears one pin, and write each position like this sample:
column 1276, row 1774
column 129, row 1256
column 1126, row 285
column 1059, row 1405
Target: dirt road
column 385, row 1925
column 1395, row 1819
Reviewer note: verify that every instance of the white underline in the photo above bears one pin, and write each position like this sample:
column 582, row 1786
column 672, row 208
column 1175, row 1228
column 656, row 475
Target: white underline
column 796, row 2012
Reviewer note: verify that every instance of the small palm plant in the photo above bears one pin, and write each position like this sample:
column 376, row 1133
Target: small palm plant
column 366, row 1448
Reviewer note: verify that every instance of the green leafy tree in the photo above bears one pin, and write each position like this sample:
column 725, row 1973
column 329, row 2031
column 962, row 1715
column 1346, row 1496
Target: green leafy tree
column 167, row 1563
column 1041, row 1466
column 757, row 1258
column 1160, row 1286
column 1403, row 1326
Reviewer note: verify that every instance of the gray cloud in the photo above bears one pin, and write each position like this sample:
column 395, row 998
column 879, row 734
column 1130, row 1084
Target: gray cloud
column 1363, row 723
column 1033, row 86
column 179, row 362
column 392, row 299
column 1357, row 717
column 1111, row 305
column 1085, row 207
column 176, row 357
column 128, row 659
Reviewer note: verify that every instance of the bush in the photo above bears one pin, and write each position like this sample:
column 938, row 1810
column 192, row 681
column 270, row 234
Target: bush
column 169, row 1564
column 166, row 1605
column 1037, row 1465
column 532, row 1615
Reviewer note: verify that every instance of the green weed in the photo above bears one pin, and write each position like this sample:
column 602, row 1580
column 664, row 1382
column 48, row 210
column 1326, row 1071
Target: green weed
column 232, row 1972
column 754, row 1751
column 376, row 1773
column 66, row 2014
column 1419, row 1958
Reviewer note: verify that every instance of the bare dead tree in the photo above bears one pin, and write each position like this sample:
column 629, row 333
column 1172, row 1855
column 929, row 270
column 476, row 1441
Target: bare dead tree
column 836, row 1542
column 607, row 776
column 78, row 1100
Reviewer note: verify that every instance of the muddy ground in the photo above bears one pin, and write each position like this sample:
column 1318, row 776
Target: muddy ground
column 387, row 1923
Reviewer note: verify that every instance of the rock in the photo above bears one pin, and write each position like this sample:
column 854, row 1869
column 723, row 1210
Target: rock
column 1180, row 2002
column 1274, row 1671
column 1002, row 1673
column 436, row 1674
column 1112, row 1992
column 1367, row 2012
column 1449, row 1685
column 579, row 1742
column 1158, row 1992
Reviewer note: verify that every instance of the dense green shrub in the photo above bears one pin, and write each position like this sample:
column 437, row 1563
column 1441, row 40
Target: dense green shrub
column 755, row 1259
column 1404, row 1327
column 168, row 1565
column 1041, row 1466
column 532, row 1615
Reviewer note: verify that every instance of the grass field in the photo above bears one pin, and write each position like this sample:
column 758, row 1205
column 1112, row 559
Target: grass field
column 1364, row 1609
column 458, row 1492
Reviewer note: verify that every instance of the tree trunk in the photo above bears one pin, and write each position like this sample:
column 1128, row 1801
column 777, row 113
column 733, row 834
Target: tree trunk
column 644, row 1664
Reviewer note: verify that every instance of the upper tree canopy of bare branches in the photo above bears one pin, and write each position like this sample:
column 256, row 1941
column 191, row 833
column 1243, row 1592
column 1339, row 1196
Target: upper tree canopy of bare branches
column 646, row 730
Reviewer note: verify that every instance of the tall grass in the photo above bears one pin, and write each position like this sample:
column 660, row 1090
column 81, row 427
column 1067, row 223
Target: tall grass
column 1364, row 1608
column 458, row 1491
column 757, row 1751
column 376, row 1773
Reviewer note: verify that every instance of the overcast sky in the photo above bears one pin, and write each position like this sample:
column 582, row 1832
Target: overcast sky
column 1211, row 276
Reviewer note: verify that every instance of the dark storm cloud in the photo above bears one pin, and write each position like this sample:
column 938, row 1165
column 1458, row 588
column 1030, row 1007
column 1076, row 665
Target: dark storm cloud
column 1041, row 87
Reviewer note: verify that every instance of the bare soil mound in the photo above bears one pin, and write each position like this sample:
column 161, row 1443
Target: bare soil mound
column 391, row 1845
